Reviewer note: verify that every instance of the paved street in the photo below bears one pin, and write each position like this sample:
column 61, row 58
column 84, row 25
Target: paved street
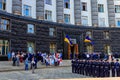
column 40, row 74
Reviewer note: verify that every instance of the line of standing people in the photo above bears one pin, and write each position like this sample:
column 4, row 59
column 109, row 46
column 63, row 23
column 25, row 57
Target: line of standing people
column 96, row 68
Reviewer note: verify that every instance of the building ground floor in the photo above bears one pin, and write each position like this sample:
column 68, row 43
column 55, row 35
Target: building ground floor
column 19, row 33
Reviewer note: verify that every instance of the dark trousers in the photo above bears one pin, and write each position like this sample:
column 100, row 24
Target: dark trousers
column 113, row 72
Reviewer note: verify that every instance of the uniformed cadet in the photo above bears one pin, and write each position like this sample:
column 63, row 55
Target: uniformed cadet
column 97, row 69
column 93, row 68
column 86, row 65
column 117, row 68
column 107, row 69
column 83, row 67
column 102, row 66
column 113, row 68
column 72, row 65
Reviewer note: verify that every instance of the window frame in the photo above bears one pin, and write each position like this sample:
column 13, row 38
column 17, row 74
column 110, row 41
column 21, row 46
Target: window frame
column 89, row 33
column 67, row 16
column 24, row 10
column 67, row 4
column 101, row 8
column 33, row 27
column 3, row 5
column 7, row 25
column 84, row 18
column 49, row 2
column 84, row 6
column 53, row 32
column 106, row 35
column 117, row 8
column 118, row 19
column 48, row 15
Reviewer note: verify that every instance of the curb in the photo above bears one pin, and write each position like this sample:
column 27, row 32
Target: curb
column 10, row 70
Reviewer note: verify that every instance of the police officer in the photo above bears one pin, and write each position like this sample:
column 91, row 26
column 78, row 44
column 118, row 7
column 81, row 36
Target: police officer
column 113, row 68
column 117, row 68
column 72, row 65
column 107, row 69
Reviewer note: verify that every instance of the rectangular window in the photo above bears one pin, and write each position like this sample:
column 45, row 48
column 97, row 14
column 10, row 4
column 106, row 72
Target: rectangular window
column 67, row 4
column 3, row 5
column 49, row 2
column 67, row 18
column 84, row 20
column 48, row 15
column 117, row 8
column 102, row 22
column 52, row 48
column 118, row 22
column 84, row 6
column 106, row 35
column 30, row 28
column 52, row 32
column 89, row 33
column 30, row 47
column 4, row 47
column 100, row 8
column 4, row 24
column 27, row 10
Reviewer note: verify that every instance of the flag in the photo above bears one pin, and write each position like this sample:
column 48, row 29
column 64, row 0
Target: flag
column 67, row 39
column 88, row 40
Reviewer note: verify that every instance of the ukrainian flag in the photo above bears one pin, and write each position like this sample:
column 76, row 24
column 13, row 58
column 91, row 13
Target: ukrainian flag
column 87, row 39
column 67, row 39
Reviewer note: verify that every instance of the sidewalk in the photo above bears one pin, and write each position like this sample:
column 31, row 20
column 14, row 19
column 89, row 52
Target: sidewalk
column 110, row 78
column 7, row 66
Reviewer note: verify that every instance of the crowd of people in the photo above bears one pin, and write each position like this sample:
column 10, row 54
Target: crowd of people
column 96, row 65
column 31, row 60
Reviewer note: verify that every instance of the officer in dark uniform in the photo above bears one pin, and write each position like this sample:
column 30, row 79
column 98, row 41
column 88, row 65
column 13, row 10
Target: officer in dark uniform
column 107, row 69
column 113, row 68
column 83, row 67
column 80, row 66
column 102, row 67
column 93, row 68
column 86, row 68
column 98, row 68
column 117, row 68
column 72, row 65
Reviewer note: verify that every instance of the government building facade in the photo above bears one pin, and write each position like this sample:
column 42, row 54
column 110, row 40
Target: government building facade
column 41, row 25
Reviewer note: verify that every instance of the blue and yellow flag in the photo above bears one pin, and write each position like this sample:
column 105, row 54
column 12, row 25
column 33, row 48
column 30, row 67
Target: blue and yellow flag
column 88, row 40
column 67, row 39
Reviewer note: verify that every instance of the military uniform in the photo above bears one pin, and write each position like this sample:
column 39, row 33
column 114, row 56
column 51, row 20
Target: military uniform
column 113, row 69
column 117, row 68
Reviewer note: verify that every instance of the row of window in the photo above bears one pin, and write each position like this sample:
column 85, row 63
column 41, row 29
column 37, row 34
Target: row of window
column 4, row 47
column 27, row 8
column 5, row 25
column 105, row 33
column 90, row 49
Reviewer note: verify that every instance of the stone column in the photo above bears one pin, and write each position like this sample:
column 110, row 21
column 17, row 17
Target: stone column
column 60, row 11
column 94, row 12
column 40, row 9
column 111, row 13
column 17, row 7
column 77, row 12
